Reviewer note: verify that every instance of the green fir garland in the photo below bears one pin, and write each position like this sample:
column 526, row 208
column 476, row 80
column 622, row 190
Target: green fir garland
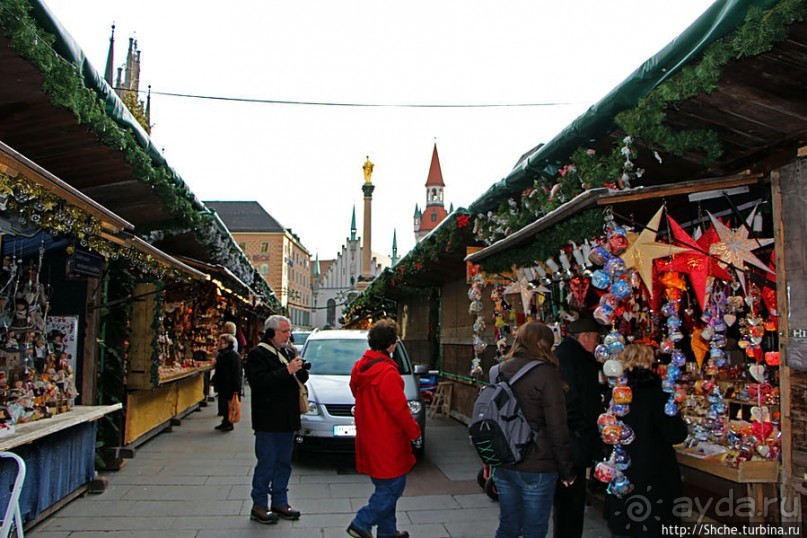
column 62, row 82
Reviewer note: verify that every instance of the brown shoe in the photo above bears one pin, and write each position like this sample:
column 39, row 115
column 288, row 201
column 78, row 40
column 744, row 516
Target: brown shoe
column 356, row 532
column 261, row 514
column 285, row 511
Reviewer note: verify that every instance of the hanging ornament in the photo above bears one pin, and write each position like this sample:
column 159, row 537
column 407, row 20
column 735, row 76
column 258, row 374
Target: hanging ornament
column 524, row 288
column 641, row 253
column 735, row 248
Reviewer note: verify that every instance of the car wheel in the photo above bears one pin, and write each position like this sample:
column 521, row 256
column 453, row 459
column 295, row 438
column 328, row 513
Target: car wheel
column 490, row 490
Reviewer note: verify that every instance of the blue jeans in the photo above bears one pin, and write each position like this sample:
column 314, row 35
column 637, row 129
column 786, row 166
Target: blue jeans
column 525, row 501
column 272, row 472
column 380, row 509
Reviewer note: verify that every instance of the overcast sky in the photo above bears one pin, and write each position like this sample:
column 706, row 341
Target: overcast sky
column 303, row 164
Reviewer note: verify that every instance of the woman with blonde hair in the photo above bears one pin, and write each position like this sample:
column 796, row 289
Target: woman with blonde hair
column 527, row 489
column 653, row 470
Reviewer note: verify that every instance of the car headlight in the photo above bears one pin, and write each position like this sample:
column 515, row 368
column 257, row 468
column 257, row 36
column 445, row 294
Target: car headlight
column 312, row 408
column 415, row 407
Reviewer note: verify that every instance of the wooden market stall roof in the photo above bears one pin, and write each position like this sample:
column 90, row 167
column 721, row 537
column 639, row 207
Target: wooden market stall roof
column 716, row 187
column 13, row 163
column 57, row 109
column 755, row 104
column 113, row 228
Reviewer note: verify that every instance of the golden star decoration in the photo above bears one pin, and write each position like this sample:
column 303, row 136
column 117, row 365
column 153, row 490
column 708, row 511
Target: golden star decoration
column 644, row 249
column 734, row 248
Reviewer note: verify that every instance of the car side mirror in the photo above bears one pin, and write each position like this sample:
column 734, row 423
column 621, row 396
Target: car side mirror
column 421, row 369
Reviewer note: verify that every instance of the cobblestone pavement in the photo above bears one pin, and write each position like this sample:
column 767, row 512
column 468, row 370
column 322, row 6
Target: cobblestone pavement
column 194, row 482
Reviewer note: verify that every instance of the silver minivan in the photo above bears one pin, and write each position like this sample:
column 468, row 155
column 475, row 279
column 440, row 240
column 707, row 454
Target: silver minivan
column 329, row 424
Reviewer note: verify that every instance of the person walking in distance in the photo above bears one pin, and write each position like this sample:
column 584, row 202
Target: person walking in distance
column 580, row 373
column 526, row 489
column 227, row 378
column 385, row 432
column 273, row 375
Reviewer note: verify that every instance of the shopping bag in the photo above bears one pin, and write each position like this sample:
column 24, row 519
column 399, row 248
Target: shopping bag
column 303, row 399
column 234, row 409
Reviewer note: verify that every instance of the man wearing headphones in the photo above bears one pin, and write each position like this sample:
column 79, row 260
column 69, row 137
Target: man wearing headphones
column 273, row 373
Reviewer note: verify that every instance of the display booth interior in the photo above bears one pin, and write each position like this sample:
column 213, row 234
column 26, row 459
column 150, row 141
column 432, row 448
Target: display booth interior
column 696, row 280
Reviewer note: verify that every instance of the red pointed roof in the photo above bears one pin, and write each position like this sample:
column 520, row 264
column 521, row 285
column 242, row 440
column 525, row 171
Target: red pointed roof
column 435, row 178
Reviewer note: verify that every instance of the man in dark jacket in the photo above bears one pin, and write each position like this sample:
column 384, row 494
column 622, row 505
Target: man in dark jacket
column 580, row 372
column 274, row 374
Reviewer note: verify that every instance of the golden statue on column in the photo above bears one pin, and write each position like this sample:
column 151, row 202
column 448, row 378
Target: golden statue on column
column 368, row 171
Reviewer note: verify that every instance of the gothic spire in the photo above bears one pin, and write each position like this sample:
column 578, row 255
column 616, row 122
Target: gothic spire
column 394, row 247
column 353, row 225
column 109, row 72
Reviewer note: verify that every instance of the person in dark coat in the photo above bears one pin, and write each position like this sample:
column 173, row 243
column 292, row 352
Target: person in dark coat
column 653, row 470
column 526, row 489
column 274, row 374
column 226, row 378
column 580, row 373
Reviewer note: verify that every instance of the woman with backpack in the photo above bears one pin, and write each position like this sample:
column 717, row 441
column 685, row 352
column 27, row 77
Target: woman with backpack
column 527, row 488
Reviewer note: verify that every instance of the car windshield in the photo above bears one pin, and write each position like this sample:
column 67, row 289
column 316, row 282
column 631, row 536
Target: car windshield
column 300, row 338
column 337, row 356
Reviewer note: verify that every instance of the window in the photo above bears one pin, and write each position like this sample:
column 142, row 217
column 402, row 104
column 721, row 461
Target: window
column 264, row 247
column 434, row 216
column 264, row 269
column 331, row 317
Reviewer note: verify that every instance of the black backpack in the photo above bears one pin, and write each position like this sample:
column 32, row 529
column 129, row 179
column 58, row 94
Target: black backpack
column 499, row 431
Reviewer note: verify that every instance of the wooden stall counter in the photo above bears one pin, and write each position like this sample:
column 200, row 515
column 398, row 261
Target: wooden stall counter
column 759, row 478
column 59, row 456
column 32, row 431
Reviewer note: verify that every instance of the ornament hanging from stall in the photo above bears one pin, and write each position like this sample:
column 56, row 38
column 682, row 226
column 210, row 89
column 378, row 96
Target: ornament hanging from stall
column 475, row 310
column 696, row 262
column 641, row 253
column 734, row 248
column 524, row 288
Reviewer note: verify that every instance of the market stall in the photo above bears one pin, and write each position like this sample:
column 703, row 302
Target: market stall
column 701, row 291
column 53, row 243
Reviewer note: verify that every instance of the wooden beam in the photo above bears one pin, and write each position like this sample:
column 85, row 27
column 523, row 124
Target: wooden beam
column 16, row 162
column 678, row 189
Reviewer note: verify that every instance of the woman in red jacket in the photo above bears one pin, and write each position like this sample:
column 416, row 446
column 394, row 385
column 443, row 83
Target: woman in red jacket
column 385, row 430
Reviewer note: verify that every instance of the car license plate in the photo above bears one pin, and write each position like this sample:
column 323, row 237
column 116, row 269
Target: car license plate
column 344, row 430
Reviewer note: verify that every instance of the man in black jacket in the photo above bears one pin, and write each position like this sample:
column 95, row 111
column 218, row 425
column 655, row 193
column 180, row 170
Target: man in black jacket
column 274, row 373
column 580, row 371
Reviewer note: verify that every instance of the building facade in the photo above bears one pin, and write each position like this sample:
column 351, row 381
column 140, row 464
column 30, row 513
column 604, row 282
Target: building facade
column 336, row 284
column 276, row 252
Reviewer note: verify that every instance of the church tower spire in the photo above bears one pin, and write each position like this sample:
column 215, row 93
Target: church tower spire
column 148, row 109
column 434, row 212
column 394, row 247
column 353, row 225
column 109, row 72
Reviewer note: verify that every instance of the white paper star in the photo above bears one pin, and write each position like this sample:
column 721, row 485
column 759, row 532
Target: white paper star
column 523, row 287
column 735, row 248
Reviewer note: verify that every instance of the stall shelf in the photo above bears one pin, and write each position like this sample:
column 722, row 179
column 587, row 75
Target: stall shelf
column 758, row 477
column 59, row 454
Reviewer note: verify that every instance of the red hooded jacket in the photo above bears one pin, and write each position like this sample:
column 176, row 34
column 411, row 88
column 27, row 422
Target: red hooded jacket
column 384, row 425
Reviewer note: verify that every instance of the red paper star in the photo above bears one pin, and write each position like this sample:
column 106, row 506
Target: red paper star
column 696, row 262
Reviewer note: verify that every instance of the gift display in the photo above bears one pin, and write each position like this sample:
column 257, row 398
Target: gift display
column 36, row 374
column 704, row 301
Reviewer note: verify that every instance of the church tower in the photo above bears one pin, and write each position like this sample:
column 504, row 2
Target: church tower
column 127, row 83
column 434, row 212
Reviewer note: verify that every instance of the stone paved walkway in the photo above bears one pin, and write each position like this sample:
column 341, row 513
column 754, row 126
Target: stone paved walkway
column 194, row 482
